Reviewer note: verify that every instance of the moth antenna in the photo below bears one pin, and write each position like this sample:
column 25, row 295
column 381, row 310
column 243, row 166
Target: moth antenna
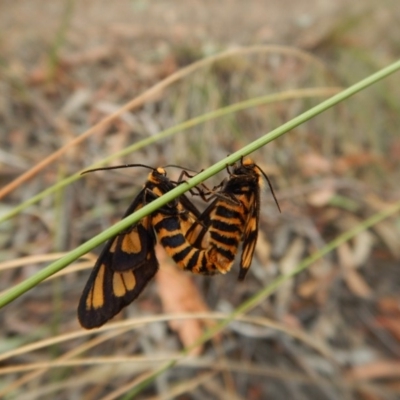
column 270, row 187
column 117, row 167
column 178, row 166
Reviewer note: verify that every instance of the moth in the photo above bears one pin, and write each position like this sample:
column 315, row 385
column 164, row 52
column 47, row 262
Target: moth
column 128, row 261
column 244, row 186
column 232, row 218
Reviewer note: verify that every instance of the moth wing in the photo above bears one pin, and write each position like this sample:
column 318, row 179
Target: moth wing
column 121, row 272
column 129, row 249
column 249, row 237
column 108, row 291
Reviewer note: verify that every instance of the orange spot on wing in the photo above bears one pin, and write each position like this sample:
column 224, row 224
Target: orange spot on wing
column 129, row 280
column 118, row 285
column 97, row 298
column 131, row 242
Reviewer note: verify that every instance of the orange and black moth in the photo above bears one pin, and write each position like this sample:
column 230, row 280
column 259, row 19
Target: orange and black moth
column 232, row 218
column 128, row 261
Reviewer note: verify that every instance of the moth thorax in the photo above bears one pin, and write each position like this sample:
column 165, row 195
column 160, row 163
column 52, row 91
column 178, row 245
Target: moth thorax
column 248, row 162
column 161, row 171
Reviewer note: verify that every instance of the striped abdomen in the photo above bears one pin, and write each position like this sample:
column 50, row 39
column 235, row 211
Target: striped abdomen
column 225, row 230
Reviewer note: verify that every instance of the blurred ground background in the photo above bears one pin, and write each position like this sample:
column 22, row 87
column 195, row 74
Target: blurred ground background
column 66, row 65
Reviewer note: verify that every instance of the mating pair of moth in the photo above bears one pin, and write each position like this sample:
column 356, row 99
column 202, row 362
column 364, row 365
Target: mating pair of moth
column 204, row 243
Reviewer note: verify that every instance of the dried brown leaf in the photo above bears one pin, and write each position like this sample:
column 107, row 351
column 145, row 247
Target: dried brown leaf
column 317, row 286
column 392, row 324
column 362, row 243
column 366, row 394
column 389, row 305
column 376, row 370
column 321, row 197
column 355, row 160
column 362, row 247
column 357, row 284
column 313, row 164
column 308, row 288
column 179, row 295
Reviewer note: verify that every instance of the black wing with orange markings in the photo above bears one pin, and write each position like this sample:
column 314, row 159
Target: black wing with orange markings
column 121, row 272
